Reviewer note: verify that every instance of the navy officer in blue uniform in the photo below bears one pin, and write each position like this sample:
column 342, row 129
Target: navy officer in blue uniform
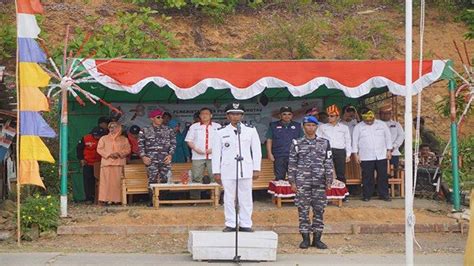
column 279, row 136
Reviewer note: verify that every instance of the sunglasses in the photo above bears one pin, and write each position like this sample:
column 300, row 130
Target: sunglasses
column 286, row 114
column 158, row 117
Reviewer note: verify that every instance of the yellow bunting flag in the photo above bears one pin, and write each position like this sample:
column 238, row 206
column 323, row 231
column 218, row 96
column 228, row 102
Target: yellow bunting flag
column 32, row 75
column 30, row 173
column 33, row 148
column 33, row 99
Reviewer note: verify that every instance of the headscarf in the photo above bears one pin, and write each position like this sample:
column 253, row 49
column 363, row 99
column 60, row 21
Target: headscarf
column 118, row 132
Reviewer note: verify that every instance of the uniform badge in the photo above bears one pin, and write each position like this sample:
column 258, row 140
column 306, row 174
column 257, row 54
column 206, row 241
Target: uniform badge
column 235, row 105
column 329, row 154
column 293, row 127
column 227, row 145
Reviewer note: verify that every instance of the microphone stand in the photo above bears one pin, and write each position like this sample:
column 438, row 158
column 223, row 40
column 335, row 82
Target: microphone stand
column 238, row 160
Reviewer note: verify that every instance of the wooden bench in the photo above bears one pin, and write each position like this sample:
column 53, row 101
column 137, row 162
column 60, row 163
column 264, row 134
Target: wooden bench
column 214, row 188
column 265, row 177
column 135, row 180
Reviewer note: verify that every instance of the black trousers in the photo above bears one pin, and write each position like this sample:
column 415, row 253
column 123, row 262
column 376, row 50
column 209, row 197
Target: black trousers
column 280, row 167
column 368, row 182
column 89, row 182
column 339, row 159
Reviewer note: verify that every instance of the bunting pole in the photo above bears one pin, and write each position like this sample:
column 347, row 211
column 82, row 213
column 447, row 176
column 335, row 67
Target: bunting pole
column 18, row 186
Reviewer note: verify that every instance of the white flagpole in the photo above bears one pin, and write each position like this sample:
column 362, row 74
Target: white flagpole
column 409, row 218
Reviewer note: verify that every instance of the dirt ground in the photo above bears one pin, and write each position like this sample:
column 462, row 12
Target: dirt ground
column 265, row 213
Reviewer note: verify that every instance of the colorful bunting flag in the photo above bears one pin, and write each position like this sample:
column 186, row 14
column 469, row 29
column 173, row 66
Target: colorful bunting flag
column 27, row 26
column 33, row 148
column 30, row 7
column 30, row 173
column 32, row 100
column 32, row 75
column 33, row 124
column 30, row 51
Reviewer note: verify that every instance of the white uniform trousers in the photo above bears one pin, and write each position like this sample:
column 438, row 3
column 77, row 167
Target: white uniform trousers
column 245, row 202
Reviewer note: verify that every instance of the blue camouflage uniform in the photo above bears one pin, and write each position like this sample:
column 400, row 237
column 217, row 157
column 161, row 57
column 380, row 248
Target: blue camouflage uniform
column 311, row 169
column 156, row 142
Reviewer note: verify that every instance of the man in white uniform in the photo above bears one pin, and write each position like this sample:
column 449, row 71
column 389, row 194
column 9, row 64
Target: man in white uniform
column 397, row 133
column 372, row 144
column 340, row 140
column 199, row 139
column 225, row 149
column 349, row 117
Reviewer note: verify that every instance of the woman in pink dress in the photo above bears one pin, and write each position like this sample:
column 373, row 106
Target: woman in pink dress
column 114, row 149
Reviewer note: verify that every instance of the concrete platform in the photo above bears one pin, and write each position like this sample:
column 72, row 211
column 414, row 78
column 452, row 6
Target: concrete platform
column 216, row 245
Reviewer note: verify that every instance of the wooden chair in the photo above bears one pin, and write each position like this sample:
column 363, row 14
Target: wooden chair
column 134, row 181
column 396, row 180
column 353, row 172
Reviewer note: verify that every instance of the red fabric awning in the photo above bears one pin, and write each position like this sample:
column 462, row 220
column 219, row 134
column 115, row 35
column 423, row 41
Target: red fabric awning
column 248, row 78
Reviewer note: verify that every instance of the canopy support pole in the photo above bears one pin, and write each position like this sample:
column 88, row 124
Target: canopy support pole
column 63, row 152
column 409, row 218
column 454, row 147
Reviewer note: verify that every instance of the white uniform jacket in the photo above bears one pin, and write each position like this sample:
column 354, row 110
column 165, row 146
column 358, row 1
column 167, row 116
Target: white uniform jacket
column 225, row 148
column 398, row 136
column 371, row 141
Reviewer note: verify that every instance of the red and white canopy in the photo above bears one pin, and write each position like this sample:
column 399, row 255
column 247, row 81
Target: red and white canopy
column 246, row 79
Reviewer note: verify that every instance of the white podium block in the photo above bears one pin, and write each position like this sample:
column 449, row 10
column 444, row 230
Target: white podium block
column 215, row 245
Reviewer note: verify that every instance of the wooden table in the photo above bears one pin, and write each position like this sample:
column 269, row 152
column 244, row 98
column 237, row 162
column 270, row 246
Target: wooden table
column 214, row 188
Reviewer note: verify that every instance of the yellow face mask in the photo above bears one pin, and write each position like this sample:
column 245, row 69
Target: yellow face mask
column 368, row 116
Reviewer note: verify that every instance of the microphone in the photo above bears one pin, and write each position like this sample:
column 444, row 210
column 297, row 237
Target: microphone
column 239, row 128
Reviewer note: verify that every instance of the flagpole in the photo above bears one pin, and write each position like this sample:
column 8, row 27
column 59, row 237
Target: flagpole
column 409, row 218
column 18, row 185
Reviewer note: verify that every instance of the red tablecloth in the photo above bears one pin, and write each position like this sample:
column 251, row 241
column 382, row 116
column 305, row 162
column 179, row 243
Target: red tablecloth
column 282, row 189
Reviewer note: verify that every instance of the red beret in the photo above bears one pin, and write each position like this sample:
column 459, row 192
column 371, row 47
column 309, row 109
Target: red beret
column 155, row 113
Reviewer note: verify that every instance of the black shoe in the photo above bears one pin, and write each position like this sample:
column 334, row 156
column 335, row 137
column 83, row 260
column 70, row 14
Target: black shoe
column 305, row 243
column 228, row 229
column 388, row 199
column 246, row 229
column 317, row 241
column 149, row 204
column 365, row 199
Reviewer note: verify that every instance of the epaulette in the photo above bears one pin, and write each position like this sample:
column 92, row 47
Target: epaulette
column 295, row 144
column 248, row 125
column 221, row 128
